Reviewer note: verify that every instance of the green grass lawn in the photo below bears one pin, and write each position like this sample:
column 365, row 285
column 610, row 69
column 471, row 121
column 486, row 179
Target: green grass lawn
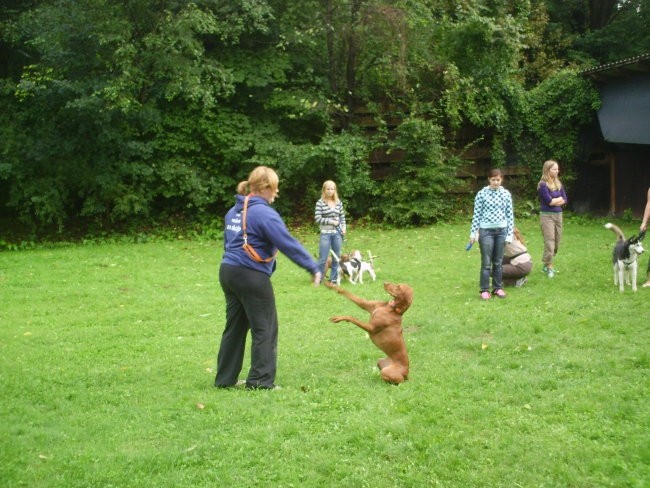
column 108, row 360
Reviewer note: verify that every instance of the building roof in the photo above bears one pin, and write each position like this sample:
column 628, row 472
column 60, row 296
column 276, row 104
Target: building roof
column 619, row 69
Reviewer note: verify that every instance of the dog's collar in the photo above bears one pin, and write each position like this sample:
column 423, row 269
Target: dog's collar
column 631, row 261
column 397, row 309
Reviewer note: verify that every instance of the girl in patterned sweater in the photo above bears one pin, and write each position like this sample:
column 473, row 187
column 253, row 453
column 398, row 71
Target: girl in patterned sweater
column 330, row 217
column 492, row 225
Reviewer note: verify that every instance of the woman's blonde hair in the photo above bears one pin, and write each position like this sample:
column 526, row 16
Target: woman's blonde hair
column 325, row 185
column 518, row 235
column 259, row 179
column 552, row 183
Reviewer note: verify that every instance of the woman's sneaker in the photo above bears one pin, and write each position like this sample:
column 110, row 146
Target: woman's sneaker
column 499, row 293
column 550, row 272
column 485, row 295
column 521, row 282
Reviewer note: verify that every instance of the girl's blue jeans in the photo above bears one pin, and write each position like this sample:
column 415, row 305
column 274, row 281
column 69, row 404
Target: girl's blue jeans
column 492, row 242
column 327, row 242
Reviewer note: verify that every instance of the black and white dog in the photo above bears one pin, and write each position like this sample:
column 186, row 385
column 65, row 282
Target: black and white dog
column 353, row 266
column 624, row 257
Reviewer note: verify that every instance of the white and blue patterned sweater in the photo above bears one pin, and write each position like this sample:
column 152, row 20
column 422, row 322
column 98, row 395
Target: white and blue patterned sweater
column 493, row 210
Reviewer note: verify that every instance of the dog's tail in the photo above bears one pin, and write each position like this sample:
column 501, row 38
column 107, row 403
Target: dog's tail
column 616, row 230
column 336, row 258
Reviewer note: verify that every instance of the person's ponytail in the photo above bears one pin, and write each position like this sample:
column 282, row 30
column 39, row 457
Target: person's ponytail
column 242, row 187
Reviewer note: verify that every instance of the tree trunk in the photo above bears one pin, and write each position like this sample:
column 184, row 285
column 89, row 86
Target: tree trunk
column 600, row 13
column 331, row 54
column 351, row 68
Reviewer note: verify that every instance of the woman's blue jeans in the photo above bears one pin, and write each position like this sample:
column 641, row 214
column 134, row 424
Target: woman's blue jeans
column 492, row 242
column 335, row 243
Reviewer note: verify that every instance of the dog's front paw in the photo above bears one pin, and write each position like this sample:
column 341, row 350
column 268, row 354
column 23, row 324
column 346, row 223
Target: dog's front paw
column 336, row 320
column 331, row 285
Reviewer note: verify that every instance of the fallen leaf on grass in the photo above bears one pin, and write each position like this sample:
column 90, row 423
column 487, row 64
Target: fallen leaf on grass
column 200, row 406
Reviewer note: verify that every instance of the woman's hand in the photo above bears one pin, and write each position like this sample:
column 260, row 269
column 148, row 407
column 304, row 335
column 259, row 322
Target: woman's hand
column 557, row 202
column 316, row 278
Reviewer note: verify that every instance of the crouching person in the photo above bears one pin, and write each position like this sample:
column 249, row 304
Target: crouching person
column 517, row 263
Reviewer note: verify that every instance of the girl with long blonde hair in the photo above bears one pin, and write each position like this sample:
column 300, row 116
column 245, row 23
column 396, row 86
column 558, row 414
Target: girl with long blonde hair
column 552, row 198
column 330, row 217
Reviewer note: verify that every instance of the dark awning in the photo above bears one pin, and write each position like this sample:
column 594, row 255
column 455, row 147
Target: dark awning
column 624, row 87
column 625, row 112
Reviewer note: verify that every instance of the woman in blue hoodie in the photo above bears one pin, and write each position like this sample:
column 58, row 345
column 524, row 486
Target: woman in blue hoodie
column 254, row 233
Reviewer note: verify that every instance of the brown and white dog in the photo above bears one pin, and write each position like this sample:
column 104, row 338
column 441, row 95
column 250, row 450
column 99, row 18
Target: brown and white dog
column 352, row 266
column 384, row 327
column 348, row 266
column 624, row 258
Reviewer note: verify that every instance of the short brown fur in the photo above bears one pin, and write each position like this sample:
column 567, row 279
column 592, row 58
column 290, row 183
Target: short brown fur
column 384, row 327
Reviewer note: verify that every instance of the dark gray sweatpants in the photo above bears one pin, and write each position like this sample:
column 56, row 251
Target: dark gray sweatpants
column 250, row 304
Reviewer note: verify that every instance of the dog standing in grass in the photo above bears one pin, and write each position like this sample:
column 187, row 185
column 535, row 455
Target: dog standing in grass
column 384, row 327
column 353, row 266
column 624, row 258
column 368, row 267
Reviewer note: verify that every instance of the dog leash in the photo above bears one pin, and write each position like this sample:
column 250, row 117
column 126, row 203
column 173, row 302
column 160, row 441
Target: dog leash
column 340, row 231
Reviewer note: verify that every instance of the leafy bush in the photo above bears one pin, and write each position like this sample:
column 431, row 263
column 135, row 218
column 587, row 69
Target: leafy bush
column 415, row 193
column 303, row 168
column 555, row 112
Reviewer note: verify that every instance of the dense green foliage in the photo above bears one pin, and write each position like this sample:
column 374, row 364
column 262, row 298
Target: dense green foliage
column 138, row 110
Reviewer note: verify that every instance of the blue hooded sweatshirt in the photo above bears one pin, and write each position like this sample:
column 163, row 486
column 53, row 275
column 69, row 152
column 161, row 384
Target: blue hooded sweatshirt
column 266, row 233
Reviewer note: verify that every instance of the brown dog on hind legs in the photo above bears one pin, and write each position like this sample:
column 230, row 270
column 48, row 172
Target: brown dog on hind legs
column 384, row 327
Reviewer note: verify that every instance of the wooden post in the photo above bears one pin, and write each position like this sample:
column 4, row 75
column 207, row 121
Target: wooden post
column 612, row 183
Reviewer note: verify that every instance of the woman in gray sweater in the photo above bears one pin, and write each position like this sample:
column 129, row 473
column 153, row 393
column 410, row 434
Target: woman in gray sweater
column 330, row 217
